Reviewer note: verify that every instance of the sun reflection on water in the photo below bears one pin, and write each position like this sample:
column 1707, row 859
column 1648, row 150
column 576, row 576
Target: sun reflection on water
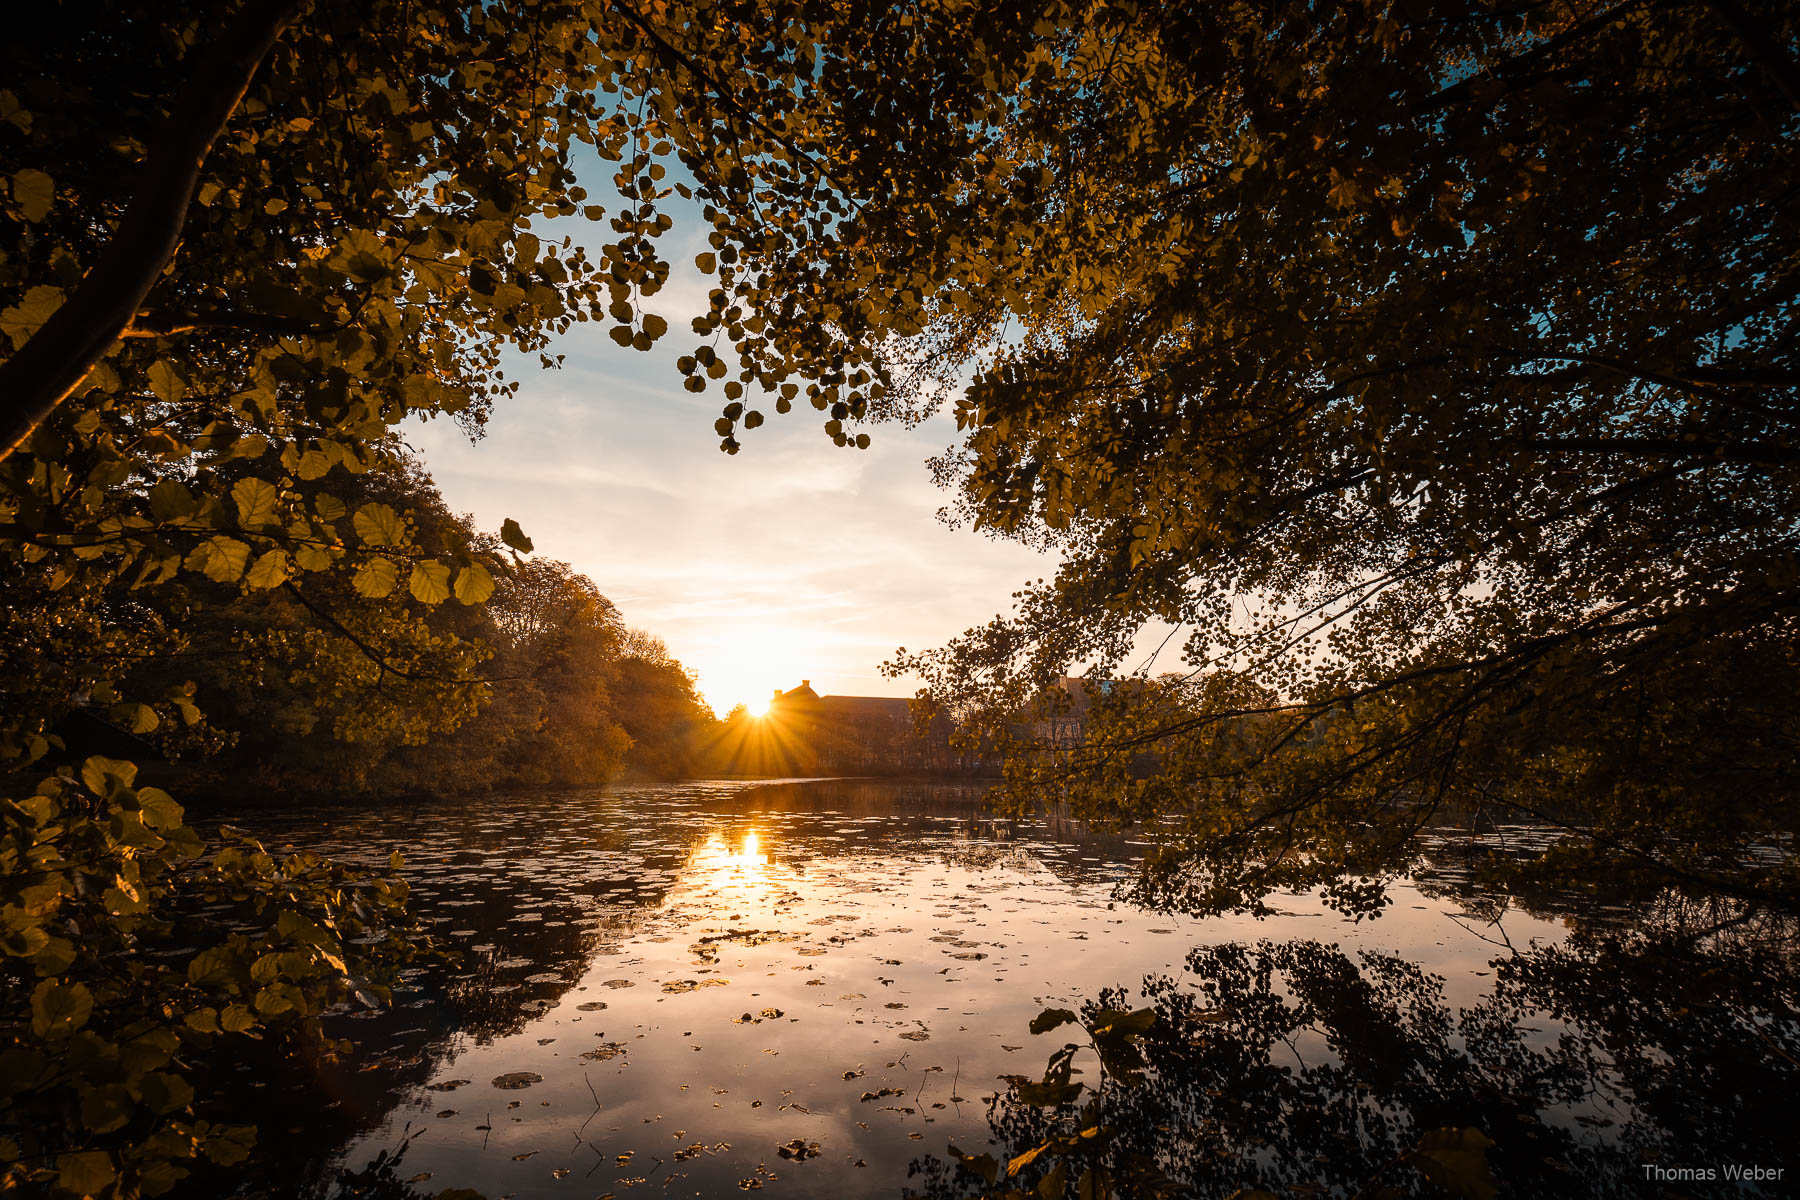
column 717, row 863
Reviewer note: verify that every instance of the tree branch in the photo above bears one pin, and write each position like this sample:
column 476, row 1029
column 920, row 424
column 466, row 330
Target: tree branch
column 163, row 323
column 1769, row 454
column 49, row 367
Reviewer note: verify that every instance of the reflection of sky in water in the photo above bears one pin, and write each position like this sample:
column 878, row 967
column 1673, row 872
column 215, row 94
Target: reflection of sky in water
column 704, row 973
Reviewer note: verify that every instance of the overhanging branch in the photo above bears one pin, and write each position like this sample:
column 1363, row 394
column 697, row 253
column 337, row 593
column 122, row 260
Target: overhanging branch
column 49, row 367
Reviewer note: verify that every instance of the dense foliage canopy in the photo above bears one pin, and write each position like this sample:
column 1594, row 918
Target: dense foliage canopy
column 239, row 245
column 1429, row 367
column 1427, row 374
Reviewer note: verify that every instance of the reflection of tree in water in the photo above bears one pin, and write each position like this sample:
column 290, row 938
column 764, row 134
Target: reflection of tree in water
column 516, row 935
column 1291, row 1067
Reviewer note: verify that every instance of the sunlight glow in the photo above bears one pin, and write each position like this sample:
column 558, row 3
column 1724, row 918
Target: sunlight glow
column 742, row 873
column 750, row 663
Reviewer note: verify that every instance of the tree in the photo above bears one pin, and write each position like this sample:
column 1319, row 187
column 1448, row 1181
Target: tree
column 1432, row 367
column 1460, row 340
column 236, row 250
column 657, row 704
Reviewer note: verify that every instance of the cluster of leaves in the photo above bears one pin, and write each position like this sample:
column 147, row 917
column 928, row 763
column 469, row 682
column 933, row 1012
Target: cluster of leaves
column 1282, row 1068
column 331, row 691
column 355, row 250
column 238, row 248
column 139, row 956
column 1429, row 368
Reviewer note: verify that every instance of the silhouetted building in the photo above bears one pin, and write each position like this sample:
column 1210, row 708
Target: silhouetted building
column 804, row 733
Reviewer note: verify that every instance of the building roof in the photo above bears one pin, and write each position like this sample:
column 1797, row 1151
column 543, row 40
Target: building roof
column 897, row 706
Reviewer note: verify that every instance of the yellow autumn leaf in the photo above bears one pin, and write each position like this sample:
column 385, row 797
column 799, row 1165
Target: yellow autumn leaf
column 376, row 578
column 271, row 569
column 430, row 582
column 379, row 525
column 221, row 559
column 473, row 584
column 256, row 500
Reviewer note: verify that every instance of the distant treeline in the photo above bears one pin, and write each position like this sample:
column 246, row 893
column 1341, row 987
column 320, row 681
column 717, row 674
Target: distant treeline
column 313, row 692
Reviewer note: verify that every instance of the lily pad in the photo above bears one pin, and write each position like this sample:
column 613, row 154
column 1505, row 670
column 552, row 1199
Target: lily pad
column 514, row 1080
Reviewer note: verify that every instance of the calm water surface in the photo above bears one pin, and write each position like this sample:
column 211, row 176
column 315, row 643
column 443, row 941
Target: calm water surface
column 685, row 979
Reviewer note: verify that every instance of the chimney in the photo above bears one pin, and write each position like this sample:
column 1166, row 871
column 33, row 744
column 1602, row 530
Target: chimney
column 806, row 683
column 777, row 694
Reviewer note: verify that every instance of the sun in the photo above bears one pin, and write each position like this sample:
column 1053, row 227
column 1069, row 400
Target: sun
column 748, row 662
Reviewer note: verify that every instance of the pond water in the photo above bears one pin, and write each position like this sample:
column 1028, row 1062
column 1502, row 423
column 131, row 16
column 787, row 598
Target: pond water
column 800, row 986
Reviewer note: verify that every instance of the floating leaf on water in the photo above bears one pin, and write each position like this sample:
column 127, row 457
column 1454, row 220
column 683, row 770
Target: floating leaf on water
column 559, row 1173
column 619, row 983
column 916, row 1035
column 524, row 1156
column 605, row 1051
column 448, row 1112
column 591, row 1006
column 799, row 1150
column 449, row 1085
column 514, row 1080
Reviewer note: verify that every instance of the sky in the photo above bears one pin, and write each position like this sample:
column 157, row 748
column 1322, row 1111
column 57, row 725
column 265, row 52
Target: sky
column 791, row 560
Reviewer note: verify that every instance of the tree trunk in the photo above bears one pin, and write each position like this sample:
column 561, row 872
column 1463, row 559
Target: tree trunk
column 49, row 367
